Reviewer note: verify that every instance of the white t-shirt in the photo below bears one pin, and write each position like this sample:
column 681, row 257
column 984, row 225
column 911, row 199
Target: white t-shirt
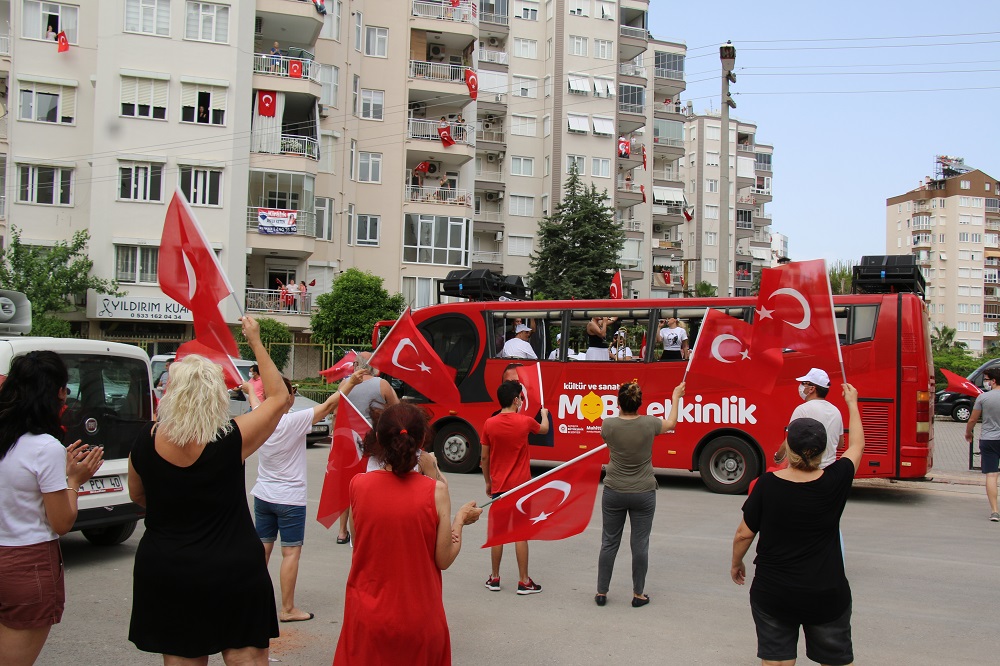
column 830, row 417
column 673, row 338
column 281, row 461
column 518, row 348
column 35, row 465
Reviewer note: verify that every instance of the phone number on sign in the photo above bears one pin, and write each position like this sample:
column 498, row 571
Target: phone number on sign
column 155, row 315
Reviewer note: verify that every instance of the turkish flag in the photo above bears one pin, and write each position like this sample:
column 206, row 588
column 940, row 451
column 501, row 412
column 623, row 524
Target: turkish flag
column 405, row 354
column 624, row 147
column 312, row 283
column 617, row 290
column 266, row 103
column 555, row 505
column 688, row 216
column 445, row 133
column 642, row 188
column 423, row 167
column 961, row 385
column 668, row 278
column 723, row 356
column 320, row 6
column 341, row 369
column 455, row 3
column 295, row 69
column 644, row 157
column 344, row 463
column 63, row 42
column 795, row 311
column 213, row 354
column 472, row 81
column 531, row 395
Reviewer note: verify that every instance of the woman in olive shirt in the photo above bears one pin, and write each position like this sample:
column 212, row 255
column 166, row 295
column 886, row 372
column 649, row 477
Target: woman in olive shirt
column 630, row 487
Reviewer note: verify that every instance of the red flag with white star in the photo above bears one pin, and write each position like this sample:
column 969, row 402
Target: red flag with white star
column 406, row 354
column 961, row 385
column 266, row 103
column 423, row 167
column 722, row 357
column 624, row 147
column 341, row 369
column 344, row 463
column 617, row 288
column 444, row 131
column 555, row 505
column 295, row 69
column 63, row 42
column 472, row 81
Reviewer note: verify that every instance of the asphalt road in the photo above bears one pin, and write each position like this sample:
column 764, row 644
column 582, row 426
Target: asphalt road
column 921, row 558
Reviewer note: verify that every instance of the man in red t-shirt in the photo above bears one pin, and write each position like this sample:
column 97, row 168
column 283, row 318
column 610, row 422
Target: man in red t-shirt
column 505, row 466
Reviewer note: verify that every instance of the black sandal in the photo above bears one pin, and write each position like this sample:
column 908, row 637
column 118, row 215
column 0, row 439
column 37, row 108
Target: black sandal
column 343, row 540
column 639, row 602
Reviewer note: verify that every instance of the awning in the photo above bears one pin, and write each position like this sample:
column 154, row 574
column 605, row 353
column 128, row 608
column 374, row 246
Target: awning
column 578, row 83
column 604, row 126
column 577, row 123
column 761, row 253
column 668, row 195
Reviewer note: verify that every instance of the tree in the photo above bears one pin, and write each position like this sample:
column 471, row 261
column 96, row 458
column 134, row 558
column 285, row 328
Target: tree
column 755, row 284
column 277, row 339
column 943, row 339
column 578, row 246
column 356, row 303
column 50, row 277
column 705, row 289
column 841, row 276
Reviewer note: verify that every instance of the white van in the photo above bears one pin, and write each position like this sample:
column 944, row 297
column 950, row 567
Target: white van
column 110, row 400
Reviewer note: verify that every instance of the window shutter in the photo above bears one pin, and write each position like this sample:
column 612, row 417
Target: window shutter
column 67, row 102
column 218, row 98
column 192, row 20
column 144, row 92
column 189, row 95
column 128, row 95
column 132, row 15
column 160, row 93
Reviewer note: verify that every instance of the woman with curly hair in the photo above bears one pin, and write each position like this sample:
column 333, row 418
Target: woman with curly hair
column 200, row 582
column 630, row 487
column 404, row 538
column 39, row 478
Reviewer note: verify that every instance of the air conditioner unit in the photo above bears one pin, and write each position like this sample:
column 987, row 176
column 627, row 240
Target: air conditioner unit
column 491, row 196
column 491, row 157
column 499, row 236
column 418, row 109
column 657, row 228
column 324, row 111
column 487, row 126
column 493, row 41
column 258, row 25
column 436, row 51
column 433, row 168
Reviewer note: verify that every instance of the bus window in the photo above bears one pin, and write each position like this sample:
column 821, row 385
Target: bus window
column 863, row 324
column 673, row 333
column 544, row 326
column 624, row 331
column 455, row 340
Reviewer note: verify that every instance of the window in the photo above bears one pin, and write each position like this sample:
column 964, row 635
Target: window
column 519, row 246
column 710, row 237
column 329, row 77
column 711, row 212
column 202, row 187
column 965, row 185
column 144, row 98
column 578, row 84
column 600, row 167
column 354, row 153
column 546, row 125
column 207, row 22
column 548, row 48
column 605, row 9
column 709, row 265
column 38, row 17
column 148, row 17
column 324, row 218
column 522, row 125
column 136, row 264
column 712, row 132
column 524, row 86
column 603, row 126
column 631, row 99
column 963, row 237
column 419, row 292
column 436, row 239
column 359, row 22
column 577, row 45
column 522, row 166
column 356, row 95
column 548, row 164
column 604, row 49
column 46, row 103
column 711, row 185
column 579, row 7
column 548, row 86
column 331, row 22
column 577, row 124
column 139, row 181
column 604, row 87
column 370, row 168
column 526, row 10
column 52, row 186
column 521, row 205
column 372, row 104
column 377, row 42
column 977, row 238
column 576, row 161
column 366, row 230
column 203, row 104
column 545, row 204
column 525, row 48
column 711, row 159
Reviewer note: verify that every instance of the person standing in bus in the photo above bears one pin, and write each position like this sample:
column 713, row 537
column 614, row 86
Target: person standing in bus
column 505, row 464
column 799, row 578
column 813, row 389
column 619, row 350
column 597, row 338
column 987, row 407
column 518, row 346
column 674, row 340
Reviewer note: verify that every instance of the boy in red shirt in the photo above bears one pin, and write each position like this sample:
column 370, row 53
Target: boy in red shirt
column 505, row 466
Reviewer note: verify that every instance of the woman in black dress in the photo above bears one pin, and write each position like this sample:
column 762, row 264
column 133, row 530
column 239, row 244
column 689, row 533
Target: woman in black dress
column 200, row 582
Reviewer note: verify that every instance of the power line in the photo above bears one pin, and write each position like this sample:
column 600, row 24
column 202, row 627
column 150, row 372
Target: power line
column 866, row 92
column 848, row 39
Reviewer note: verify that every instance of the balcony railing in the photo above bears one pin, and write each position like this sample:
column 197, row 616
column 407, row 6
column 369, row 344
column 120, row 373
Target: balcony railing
column 766, row 191
column 428, row 131
column 664, row 174
column 667, row 141
column 667, row 209
column 631, row 263
column 5, row 44
column 631, row 69
column 631, row 107
column 437, row 71
column 766, row 216
column 993, row 225
column 465, row 12
column 761, row 166
column 305, row 223
column 635, row 33
column 490, row 55
column 664, row 73
column 745, row 147
column 286, row 67
column 660, row 107
column 743, row 224
column 493, row 17
column 303, row 146
column 920, row 226
column 628, row 186
column 495, row 216
column 992, row 205
column 447, row 196
column 495, row 176
column 481, row 257
column 493, row 135
column 743, row 275
column 270, row 300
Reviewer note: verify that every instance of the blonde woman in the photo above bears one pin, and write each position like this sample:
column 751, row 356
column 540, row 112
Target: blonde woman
column 200, row 582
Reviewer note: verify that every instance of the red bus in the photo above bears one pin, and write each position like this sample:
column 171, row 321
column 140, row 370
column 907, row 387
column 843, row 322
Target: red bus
column 725, row 435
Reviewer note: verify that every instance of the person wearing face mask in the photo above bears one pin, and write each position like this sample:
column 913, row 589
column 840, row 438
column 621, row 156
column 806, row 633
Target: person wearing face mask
column 813, row 387
column 987, row 407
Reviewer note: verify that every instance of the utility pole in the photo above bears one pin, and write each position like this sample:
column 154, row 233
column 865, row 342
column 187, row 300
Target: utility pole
column 727, row 54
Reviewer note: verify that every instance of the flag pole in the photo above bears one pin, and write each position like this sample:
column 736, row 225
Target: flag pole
column 693, row 348
column 548, row 473
column 541, row 393
column 833, row 316
column 398, row 319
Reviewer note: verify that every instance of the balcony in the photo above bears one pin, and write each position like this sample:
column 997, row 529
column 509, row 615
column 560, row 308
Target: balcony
column 269, row 300
column 490, row 175
column 464, row 12
column 660, row 107
column 440, row 196
column 631, row 69
column 494, row 18
column 483, row 257
column 626, row 185
column 668, row 248
column 632, row 107
column 763, row 191
column 427, row 130
column 630, row 225
column 491, row 135
column 672, row 74
column 493, row 56
column 488, row 219
column 744, row 224
column 302, row 146
column 762, row 166
column 286, row 67
column 666, row 174
column 923, row 240
column 305, row 224
column 437, row 71
column 633, row 33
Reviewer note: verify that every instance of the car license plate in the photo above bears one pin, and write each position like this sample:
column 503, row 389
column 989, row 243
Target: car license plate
column 102, row 484
column 320, row 429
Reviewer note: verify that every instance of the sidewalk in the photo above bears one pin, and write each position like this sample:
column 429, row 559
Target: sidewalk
column 951, row 455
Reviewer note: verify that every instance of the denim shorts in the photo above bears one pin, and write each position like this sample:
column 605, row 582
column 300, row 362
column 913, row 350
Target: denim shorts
column 288, row 519
column 828, row 643
column 989, row 450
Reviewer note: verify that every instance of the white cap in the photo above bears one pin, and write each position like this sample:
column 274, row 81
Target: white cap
column 558, row 337
column 521, row 328
column 817, row 377
column 620, row 333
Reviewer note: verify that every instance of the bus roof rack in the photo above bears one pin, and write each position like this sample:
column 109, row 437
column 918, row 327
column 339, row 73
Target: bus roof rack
column 482, row 284
column 888, row 274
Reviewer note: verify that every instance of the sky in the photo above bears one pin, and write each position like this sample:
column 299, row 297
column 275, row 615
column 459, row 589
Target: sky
column 806, row 76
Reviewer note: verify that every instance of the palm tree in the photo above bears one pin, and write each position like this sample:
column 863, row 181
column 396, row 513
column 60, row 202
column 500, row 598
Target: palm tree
column 705, row 289
column 943, row 339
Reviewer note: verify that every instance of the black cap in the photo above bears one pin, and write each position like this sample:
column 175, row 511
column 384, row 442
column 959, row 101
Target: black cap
column 806, row 437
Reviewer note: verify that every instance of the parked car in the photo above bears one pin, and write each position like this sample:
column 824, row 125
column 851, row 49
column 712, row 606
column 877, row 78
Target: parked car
column 958, row 405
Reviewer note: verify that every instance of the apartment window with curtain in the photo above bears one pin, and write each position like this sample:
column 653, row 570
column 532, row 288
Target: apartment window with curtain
column 207, row 22
column 144, row 98
column 370, row 168
column 202, row 187
column 577, row 45
column 140, row 181
column 521, row 205
column 46, row 103
column 519, row 246
column 324, row 218
column 372, row 104
column 418, row 292
column 523, row 125
column 604, row 49
column 522, row 166
column 329, row 77
column 601, row 167
column 204, row 105
column 525, row 48
column 331, row 22
column 136, row 264
column 367, row 230
column 377, row 42
column 579, row 162
column 526, row 9
column 436, row 239
column 37, row 17
column 148, row 17
column 47, row 185
column 524, row 86
column 710, row 265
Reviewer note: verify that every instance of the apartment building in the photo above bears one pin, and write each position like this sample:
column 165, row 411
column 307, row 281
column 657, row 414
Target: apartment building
column 951, row 223
column 309, row 143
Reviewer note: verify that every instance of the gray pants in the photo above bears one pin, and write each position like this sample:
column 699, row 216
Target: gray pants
column 640, row 508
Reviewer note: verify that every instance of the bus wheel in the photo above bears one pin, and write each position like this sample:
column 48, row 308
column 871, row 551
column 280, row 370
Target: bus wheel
column 456, row 446
column 109, row 536
column 728, row 465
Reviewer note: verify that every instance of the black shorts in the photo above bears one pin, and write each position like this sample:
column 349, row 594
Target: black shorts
column 671, row 355
column 828, row 643
column 989, row 450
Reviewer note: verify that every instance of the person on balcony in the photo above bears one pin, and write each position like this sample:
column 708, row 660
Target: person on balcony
column 293, row 296
column 275, row 57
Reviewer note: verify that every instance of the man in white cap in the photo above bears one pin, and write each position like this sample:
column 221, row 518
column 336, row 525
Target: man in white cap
column 813, row 387
column 518, row 346
column 554, row 355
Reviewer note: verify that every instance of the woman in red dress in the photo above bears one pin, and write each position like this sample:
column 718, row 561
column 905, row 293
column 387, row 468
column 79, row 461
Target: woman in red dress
column 403, row 538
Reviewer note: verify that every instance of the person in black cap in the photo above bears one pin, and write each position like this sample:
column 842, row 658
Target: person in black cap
column 799, row 578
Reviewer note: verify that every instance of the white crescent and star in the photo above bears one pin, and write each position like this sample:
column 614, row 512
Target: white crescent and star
column 717, row 342
column 406, row 342
column 267, row 99
column 562, row 486
column 764, row 313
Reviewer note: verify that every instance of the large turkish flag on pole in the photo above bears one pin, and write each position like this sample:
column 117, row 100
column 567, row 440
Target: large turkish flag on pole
column 344, row 463
column 341, row 369
column 722, row 356
column 555, row 505
column 617, row 289
column 405, row 354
